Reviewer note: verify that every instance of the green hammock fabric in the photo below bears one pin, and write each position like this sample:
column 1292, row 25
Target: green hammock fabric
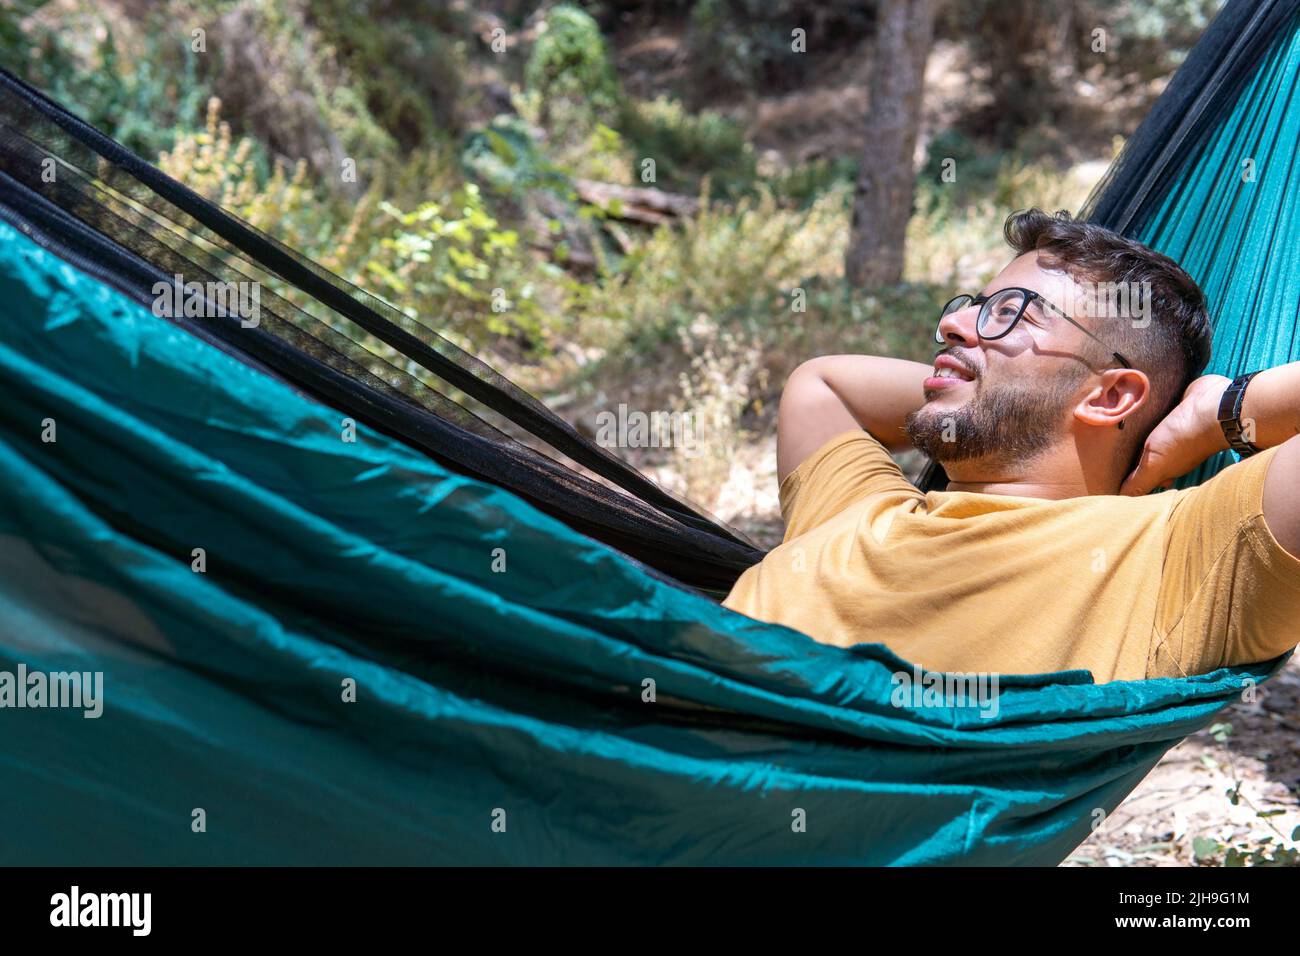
column 1234, row 224
column 477, row 691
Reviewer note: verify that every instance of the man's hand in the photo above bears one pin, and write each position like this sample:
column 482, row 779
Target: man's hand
column 1184, row 438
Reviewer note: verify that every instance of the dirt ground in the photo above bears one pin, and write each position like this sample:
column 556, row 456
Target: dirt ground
column 1186, row 795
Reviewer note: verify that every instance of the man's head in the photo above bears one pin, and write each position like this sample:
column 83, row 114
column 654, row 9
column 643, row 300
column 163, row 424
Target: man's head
column 1049, row 380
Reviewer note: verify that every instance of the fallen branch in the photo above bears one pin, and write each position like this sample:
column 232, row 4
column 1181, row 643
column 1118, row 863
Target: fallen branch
column 636, row 204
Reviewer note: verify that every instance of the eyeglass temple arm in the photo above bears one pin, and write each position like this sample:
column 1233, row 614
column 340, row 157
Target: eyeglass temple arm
column 1121, row 359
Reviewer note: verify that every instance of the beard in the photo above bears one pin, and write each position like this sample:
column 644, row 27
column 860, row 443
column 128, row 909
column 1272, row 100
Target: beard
column 1005, row 423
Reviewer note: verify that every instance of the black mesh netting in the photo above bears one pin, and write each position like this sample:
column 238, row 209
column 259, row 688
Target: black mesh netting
column 115, row 215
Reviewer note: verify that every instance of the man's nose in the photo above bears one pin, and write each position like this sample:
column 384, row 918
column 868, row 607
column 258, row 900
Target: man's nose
column 959, row 327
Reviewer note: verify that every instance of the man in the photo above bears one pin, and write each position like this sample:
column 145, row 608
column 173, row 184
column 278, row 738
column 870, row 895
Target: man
column 1053, row 416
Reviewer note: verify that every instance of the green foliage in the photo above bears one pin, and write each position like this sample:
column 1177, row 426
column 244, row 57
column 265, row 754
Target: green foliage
column 802, row 184
column 688, row 146
column 753, row 251
column 977, row 165
column 757, row 268
column 395, row 84
column 144, row 97
column 742, row 46
column 286, row 84
column 239, row 176
column 954, row 238
column 1167, row 27
column 569, row 72
column 1033, row 50
column 452, row 265
column 505, row 156
column 1264, row 852
column 572, row 94
column 404, row 60
column 448, row 263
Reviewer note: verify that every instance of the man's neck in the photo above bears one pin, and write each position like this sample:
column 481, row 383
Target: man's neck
column 1057, row 473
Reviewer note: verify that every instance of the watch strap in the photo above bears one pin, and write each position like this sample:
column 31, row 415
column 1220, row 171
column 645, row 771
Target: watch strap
column 1230, row 415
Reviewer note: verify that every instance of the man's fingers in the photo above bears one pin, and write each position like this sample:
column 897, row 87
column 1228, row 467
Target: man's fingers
column 1135, row 484
column 1154, row 469
column 1138, row 484
column 1151, row 472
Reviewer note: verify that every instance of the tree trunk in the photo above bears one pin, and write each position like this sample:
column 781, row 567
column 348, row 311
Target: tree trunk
column 882, row 200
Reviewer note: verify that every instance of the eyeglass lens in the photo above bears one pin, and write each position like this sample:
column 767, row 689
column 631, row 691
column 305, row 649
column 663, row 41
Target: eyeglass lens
column 996, row 313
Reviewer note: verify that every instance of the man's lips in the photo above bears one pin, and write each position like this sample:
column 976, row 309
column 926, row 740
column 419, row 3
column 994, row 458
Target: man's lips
column 937, row 381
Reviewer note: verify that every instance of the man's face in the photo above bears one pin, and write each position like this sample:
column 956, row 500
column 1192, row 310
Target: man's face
column 1017, row 391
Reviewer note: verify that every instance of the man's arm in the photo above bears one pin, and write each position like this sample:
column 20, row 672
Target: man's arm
column 1271, row 411
column 1281, row 501
column 1270, row 415
column 837, row 393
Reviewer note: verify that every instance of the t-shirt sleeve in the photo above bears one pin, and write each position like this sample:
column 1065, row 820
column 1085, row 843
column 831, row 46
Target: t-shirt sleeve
column 848, row 468
column 1229, row 592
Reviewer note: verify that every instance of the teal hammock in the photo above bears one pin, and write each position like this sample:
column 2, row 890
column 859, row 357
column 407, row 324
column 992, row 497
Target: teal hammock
column 1234, row 225
column 318, row 651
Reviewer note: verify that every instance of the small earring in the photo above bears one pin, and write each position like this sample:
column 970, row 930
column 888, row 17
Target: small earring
column 1121, row 426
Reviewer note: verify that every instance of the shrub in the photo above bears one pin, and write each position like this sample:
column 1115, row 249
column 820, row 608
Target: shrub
column 570, row 75
column 726, row 374
column 504, row 156
column 143, row 93
column 687, row 146
column 450, row 264
column 446, row 263
column 745, row 46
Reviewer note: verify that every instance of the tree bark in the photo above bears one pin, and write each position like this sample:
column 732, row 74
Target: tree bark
column 882, row 200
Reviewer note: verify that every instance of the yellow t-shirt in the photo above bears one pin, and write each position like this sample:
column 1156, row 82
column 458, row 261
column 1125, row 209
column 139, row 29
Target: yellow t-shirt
column 1164, row 585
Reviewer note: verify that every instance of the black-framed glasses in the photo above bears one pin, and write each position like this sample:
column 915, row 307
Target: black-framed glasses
column 1001, row 310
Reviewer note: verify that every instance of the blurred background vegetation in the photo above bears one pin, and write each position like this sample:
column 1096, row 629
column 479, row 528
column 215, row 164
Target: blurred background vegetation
column 641, row 201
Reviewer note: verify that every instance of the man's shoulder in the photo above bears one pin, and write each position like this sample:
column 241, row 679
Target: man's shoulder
column 849, row 468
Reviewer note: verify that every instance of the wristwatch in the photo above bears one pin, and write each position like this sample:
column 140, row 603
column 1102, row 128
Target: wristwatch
column 1230, row 415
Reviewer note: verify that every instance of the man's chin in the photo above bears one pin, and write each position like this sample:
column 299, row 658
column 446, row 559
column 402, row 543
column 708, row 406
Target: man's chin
column 948, row 391
column 932, row 430
column 940, row 404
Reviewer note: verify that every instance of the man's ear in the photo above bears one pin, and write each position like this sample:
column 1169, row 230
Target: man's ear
column 1117, row 396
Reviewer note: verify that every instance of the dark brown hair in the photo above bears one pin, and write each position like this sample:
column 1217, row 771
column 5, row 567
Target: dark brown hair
column 1173, row 349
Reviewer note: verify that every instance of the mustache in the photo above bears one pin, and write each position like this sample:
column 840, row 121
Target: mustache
column 959, row 359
